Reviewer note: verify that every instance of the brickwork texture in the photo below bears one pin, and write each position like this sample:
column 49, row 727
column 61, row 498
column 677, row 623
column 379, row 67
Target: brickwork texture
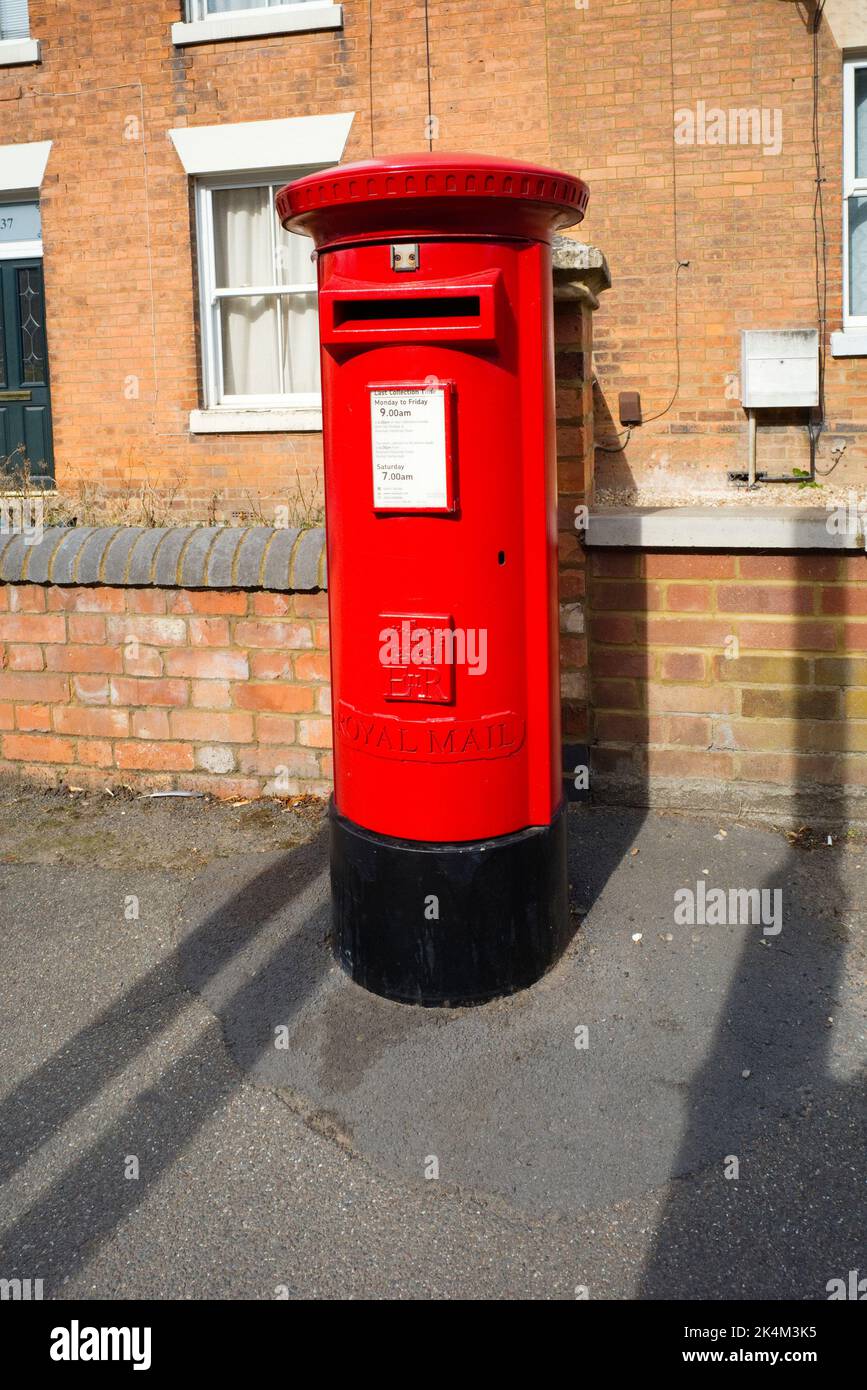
column 599, row 89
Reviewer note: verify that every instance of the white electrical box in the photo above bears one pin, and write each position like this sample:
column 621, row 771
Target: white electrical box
column 779, row 368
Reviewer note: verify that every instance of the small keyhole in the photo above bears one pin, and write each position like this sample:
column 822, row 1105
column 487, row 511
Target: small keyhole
column 501, row 557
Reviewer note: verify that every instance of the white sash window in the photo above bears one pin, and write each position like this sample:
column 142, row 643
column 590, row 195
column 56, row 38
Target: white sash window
column 14, row 19
column 205, row 9
column 259, row 312
column 210, row 21
column 855, row 193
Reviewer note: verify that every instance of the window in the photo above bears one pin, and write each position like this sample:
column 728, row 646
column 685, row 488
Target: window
column 14, row 19
column 204, row 9
column 855, row 192
column 258, row 286
column 20, row 229
column 16, row 45
column 211, row 21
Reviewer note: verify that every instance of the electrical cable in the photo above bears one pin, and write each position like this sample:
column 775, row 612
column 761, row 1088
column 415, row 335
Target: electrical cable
column 679, row 264
column 618, row 449
column 370, row 74
column 429, row 79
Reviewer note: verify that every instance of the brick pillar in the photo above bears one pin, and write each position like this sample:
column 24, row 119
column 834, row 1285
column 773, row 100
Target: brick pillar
column 580, row 274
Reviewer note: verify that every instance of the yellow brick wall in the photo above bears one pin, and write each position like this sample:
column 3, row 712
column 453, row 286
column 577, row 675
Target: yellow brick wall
column 731, row 673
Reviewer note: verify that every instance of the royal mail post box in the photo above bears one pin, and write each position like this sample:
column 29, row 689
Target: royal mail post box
column 448, row 848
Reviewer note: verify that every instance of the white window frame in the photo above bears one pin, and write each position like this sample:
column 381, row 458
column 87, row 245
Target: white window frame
column 20, row 50
column 20, row 250
column 15, row 53
column 852, row 186
column 295, row 16
column 197, row 11
column 22, row 170
column 298, row 410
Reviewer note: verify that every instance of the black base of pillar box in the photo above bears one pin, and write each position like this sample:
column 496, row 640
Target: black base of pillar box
column 448, row 924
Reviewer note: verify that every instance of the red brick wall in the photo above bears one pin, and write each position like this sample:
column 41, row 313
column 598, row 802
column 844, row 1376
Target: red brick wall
column 119, row 259
column 742, row 219
column 573, row 327
column 589, row 88
column 217, row 691
column 728, row 683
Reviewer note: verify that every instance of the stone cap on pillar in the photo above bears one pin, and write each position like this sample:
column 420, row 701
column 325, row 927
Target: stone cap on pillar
column 580, row 271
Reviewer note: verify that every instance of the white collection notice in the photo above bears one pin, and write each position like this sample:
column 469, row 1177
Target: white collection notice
column 408, row 435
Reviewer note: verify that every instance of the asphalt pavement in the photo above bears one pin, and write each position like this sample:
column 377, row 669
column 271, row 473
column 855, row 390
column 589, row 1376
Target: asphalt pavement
column 195, row 1101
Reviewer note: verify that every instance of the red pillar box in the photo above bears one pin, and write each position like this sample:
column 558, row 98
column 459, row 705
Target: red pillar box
column 448, row 828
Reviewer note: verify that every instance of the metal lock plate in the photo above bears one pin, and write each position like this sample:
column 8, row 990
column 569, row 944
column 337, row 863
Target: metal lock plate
column 404, row 255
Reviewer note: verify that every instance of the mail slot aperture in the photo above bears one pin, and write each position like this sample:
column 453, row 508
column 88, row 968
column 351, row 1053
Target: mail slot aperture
column 357, row 312
column 405, row 309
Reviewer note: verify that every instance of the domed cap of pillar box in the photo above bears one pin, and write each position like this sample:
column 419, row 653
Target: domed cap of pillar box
column 438, row 195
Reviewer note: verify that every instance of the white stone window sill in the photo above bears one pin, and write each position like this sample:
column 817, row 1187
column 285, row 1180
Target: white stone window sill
column 251, row 24
column 16, row 51
column 725, row 528
column 852, row 342
column 271, row 420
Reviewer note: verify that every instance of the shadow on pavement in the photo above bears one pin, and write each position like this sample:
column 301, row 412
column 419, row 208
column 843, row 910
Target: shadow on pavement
column 797, row 1214
column 92, row 1197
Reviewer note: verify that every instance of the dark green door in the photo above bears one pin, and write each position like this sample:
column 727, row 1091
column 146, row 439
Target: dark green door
column 25, row 402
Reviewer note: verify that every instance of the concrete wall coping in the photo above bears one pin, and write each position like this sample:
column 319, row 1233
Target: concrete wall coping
column 286, row 559
column 188, row 557
column 727, row 528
